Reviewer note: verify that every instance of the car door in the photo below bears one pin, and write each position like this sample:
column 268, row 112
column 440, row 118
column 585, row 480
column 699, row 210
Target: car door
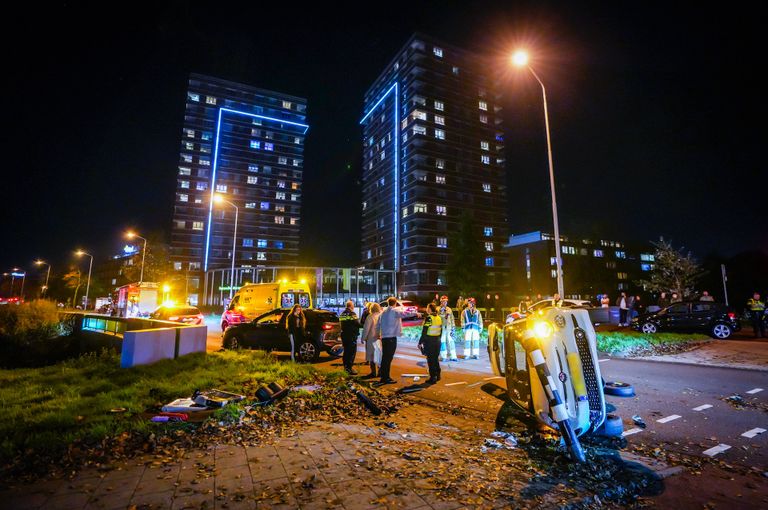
column 268, row 330
column 701, row 314
column 676, row 317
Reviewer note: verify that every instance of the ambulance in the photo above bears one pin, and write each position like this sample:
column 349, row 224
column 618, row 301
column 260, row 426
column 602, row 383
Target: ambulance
column 255, row 299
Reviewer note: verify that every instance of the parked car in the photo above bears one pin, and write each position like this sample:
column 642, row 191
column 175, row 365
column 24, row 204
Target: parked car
column 411, row 309
column 180, row 313
column 268, row 332
column 713, row 318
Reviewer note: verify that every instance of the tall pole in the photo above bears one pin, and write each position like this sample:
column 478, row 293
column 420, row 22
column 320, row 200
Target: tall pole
column 88, row 285
column 234, row 247
column 44, row 291
column 558, row 254
column 143, row 255
column 23, row 279
column 725, row 279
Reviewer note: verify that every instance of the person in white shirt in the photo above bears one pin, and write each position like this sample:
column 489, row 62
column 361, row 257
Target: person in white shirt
column 389, row 327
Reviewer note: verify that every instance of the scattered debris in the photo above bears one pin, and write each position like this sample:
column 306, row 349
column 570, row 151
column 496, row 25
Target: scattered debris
column 216, row 398
column 639, row 421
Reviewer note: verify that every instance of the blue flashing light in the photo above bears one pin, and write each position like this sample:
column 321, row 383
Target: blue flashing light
column 18, row 275
column 216, row 162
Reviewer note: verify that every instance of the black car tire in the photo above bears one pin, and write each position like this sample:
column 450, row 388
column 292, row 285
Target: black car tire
column 611, row 427
column 619, row 389
column 307, row 351
column 224, row 326
column 649, row 328
column 233, row 342
column 721, row 331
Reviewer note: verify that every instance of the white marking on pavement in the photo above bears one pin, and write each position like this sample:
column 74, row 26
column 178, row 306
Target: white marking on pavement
column 492, row 378
column 474, row 384
column 716, row 449
column 702, row 407
column 414, row 375
column 631, row 431
column 669, row 418
column 405, row 356
column 602, row 360
column 756, row 390
column 455, row 383
column 752, row 433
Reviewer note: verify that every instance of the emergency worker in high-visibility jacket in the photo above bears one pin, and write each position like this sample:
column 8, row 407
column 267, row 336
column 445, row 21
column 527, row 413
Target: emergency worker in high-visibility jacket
column 472, row 325
column 757, row 310
column 447, row 345
column 429, row 343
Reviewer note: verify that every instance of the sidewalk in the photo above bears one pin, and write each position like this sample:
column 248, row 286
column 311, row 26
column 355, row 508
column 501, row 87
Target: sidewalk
column 722, row 353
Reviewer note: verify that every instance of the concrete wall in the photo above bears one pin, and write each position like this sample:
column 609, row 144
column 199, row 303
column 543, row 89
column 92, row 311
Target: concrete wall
column 150, row 345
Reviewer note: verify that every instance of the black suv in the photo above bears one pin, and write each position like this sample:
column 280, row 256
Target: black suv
column 268, row 332
column 713, row 318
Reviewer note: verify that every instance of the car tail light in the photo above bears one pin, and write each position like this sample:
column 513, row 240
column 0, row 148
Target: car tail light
column 200, row 316
column 731, row 315
column 173, row 318
column 326, row 326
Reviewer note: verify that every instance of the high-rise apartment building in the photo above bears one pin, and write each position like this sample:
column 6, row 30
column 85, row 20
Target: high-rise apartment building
column 247, row 145
column 433, row 151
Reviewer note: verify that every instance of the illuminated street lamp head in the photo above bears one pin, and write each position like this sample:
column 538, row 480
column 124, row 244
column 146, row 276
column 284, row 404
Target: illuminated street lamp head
column 130, row 235
column 38, row 262
column 166, row 288
column 79, row 253
column 218, row 198
column 520, row 58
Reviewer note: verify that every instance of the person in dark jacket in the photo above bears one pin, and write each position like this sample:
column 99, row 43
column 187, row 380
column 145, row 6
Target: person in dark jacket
column 350, row 328
column 296, row 324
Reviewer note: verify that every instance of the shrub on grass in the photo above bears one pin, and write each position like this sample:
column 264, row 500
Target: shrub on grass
column 29, row 331
column 633, row 342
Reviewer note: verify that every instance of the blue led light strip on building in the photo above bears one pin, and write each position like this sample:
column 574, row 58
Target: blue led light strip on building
column 209, row 226
column 396, row 87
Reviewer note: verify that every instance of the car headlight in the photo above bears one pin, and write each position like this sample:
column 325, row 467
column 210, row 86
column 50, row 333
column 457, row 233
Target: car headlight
column 543, row 329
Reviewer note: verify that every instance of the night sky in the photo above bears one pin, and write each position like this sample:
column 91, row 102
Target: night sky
column 654, row 112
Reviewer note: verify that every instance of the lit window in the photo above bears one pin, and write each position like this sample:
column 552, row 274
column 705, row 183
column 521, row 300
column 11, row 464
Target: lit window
column 553, row 273
column 247, row 242
column 440, row 178
column 455, row 70
column 294, row 221
column 552, row 261
column 204, row 161
column 488, row 231
column 279, row 208
column 264, row 206
column 484, row 145
column 198, row 200
column 282, row 160
column 261, row 243
column 256, row 122
column 183, row 197
column 210, row 100
column 419, row 130
column 280, row 195
column 440, row 134
column 597, row 253
column 206, row 136
column 483, row 118
column 418, row 114
column 482, row 105
column 255, row 144
column 189, row 146
column 197, row 225
column 646, row 267
column 440, row 163
column 184, row 184
column 382, row 155
column 176, row 267
column 201, row 186
column 486, row 187
column 250, row 205
column 439, row 106
column 185, row 171
column 647, row 257
column 260, row 255
column 489, row 261
column 442, row 242
column 569, row 250
column 187, row 158
column 287, row 104
column 279, row 245
column 368, row 254
column 280, row 220
column 206, row 149
column 253, row 179
column 190, row 133
column 419, row 208
column 621, row 276
column 296, row 162
column 221, row 188
column 437, row 51
column 439, row 119
column 269, row 146
column 294, row 185
column 405, row 212
column 193, row 97
column 621, row 254
column 253, row 168
column 294, row 197
column 441, row 210
column 488, row 246
column 486, row 160
column 281, row 184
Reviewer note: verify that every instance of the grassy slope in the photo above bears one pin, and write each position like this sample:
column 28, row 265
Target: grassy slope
column 629, row 342
column 51, row 407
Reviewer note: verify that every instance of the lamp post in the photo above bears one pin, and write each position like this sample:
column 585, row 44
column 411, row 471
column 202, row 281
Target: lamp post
column 221, row 200
column 80, row 253
column 131, row 235
column 520, row 59
column 47, row 275
column 15, row 274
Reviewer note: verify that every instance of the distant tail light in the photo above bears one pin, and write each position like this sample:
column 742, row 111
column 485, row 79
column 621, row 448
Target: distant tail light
column 173, row 318
column 326, row 326
column 731, row 315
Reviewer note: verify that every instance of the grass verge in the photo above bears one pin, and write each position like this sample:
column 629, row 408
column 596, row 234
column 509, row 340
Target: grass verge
column 634, row 343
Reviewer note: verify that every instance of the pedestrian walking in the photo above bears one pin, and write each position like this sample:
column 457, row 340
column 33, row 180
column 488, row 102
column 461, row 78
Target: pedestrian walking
column 389, row 327
column 429, row 343
column 350, row 328
column 472, row 325
column 447, row 344
column 623, row 309
column 370, row 337
column 757, row 309
column 296, row 324
column 706, row 297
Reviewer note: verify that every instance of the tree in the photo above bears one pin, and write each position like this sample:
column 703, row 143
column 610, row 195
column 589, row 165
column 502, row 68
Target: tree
column 673, row 271
column 157, row 263
column 72, row 280
column 465, row 271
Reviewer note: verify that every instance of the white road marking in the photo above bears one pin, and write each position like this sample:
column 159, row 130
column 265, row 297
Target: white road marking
column 716, row 449
column 456, row 383
column 631, row 431
column 669, row 418
column 412, row 358
column 752, row 433
column 603, row 360
column 474, row 384
column 414, row 375
column 702, row 407
column 492, row 378
column 756, row 390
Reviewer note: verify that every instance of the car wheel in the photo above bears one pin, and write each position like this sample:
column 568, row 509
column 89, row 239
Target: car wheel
column 233, row 343
column 496, row 350
column 649, row 327
column 224, row 325
column 308, row 352
column 721, row 331
column 611, row 427
column 619, row 389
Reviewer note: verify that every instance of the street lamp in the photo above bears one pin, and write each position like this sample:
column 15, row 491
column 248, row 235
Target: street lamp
column 80, row 253
column 520, row 59
column 131, row 235
column 47, row 275
column 221, row 200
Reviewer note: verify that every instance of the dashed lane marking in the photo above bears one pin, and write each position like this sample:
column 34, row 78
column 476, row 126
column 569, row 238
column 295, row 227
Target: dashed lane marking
column 492, row 378
column 716, row 449
column 631, row 431
column 414, row 375
column 668, row 418
column 478, row 383
column 456, row 383
column 702, row 407
column 756, row 390
column 405, row 356
column 752, row 433
column 603, row 360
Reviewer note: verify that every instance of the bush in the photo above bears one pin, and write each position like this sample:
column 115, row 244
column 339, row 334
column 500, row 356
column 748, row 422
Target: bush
column 30, row 330
column 628, row 343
